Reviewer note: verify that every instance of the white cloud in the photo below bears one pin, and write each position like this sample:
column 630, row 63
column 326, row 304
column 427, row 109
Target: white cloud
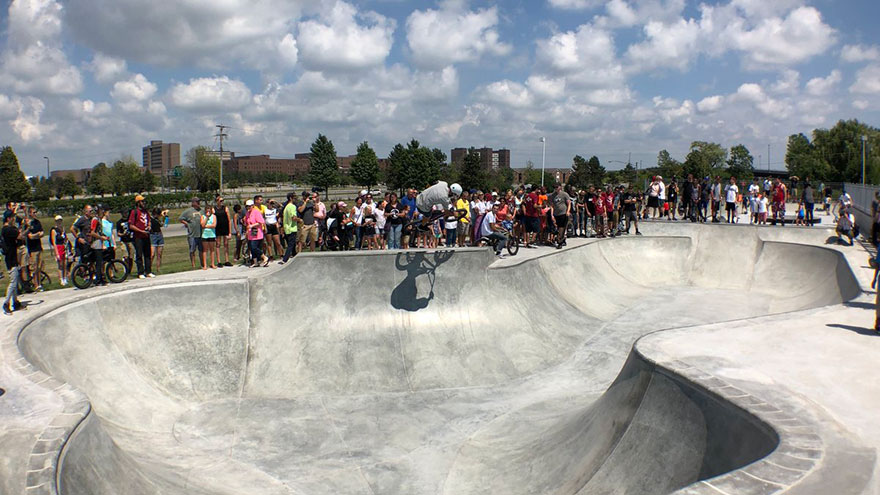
column 137, row 88
column 667, row 45
column 453, row 34
column 508, row 93
column 107, row 69
column 189, row 32
column 775, row 41
column 210, row 94
column 586, row 55
column 33, row 61
column 575, row 4
column 755, row 95
column 788, row 82
column 337, row 41
column 867, row 81
column 545, row 87
column 27, row 124
column 710, row 104
column 632, row 12
column 820, row 86
column 860, row 53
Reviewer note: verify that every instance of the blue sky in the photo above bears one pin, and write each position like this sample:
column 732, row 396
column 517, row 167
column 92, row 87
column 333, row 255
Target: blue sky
column 83, row 82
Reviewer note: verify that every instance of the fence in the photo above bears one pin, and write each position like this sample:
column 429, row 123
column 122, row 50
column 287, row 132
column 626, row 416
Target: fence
column 862, row 196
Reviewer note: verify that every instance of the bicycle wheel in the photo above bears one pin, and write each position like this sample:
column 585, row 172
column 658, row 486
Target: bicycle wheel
column 81, row 276
column 512, row 245
column 44, row 279
column 116, row 271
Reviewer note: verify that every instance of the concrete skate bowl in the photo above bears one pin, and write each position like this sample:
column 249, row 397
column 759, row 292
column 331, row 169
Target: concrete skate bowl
column 411, row 373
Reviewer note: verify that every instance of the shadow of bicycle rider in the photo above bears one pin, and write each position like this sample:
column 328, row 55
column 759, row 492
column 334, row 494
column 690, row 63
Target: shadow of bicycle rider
column 416, row 264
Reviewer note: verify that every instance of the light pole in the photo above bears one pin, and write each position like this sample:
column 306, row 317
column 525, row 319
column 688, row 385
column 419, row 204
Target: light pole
column 864, row 142
column 47, row 166
column 543, row 156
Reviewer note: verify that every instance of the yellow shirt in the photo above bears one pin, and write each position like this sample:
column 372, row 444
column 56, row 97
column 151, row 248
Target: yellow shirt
column 462, row 204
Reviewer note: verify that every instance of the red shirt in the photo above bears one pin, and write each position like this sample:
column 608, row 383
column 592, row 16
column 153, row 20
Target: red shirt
column 140, row 219
column 529, row 204
column 600, row 204
column 779, row 194
column 609, row 202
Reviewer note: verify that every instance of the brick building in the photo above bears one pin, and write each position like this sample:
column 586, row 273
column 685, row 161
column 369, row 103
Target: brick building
column 81, row 175
column 491, row 159
column 161, row 158
column 296, row 166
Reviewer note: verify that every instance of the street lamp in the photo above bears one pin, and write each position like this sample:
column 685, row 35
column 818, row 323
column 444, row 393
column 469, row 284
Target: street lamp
column 543, row 156
column 47, row 166
column 864, row 142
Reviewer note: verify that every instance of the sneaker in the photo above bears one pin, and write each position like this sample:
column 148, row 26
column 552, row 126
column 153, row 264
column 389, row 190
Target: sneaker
column 63, row 282
column 281, row 262
column 150, row 275
column 638, row 233
column 141, row 276
column 228, row 263
column 501, row 255
column 559, row 246
column 6, row 309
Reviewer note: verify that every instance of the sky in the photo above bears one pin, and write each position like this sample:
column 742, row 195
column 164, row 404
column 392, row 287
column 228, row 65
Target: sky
column 88, row 81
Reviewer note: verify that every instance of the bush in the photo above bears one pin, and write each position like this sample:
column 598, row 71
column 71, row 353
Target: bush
column 115, row 203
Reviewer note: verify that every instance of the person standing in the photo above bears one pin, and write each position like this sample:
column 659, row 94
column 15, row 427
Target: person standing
column 157, row 239
column 273, row 230
column 779, row 196
column 139, row 223
column 629, row 201
column 34, row 241
column 531, row 216
column 255, row 224
column 224, row 228
column 730, row 192
column 809, row 202
column 58, row 241
column 192, row 219
column 561, row 203
column 290, row 224
column 395, row 216
column 716, row 198
column 672, row 198
column 463, row 225
column 209, row 238
column 11, row 235
column 306, row 211
column 97, row 241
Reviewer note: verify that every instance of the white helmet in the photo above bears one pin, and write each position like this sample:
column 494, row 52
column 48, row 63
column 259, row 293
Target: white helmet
column 456, row 189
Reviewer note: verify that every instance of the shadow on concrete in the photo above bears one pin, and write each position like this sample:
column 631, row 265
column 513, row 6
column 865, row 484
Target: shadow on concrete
column 858, row 330
column 416, row 264
column 861, row 305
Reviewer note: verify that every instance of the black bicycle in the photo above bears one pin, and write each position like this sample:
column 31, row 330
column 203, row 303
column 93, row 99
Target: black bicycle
column 26, row 281
column 512, row 242
column 84, row 274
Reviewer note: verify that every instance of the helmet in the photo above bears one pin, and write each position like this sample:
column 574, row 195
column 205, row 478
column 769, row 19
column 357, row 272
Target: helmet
column 456, row 189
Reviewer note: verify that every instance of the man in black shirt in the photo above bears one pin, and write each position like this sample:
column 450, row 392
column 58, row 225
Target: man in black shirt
column 629, row 200
column 34, row 242
column 590, row 200
column 11, row 237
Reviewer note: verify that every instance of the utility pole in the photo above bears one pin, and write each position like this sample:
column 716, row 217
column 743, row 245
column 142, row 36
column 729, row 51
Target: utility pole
column 221, row 135
column 543, row 156
column 768, row 158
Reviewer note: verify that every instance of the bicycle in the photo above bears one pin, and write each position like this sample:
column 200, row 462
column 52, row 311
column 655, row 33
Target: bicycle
column 512, row 242
column 25, row 283
column 84, row 273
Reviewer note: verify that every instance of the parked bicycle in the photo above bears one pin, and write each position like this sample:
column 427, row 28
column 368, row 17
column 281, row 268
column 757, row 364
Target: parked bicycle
column 26, row 281
column 84, row 274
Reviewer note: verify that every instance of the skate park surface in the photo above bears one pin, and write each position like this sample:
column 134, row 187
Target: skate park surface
column 695, row 359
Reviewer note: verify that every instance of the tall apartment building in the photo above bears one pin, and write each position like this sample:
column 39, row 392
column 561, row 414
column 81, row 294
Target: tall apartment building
column 491, row 159
column 161, row 158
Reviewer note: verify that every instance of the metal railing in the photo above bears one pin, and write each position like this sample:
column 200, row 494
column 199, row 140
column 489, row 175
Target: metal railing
column 862, row 196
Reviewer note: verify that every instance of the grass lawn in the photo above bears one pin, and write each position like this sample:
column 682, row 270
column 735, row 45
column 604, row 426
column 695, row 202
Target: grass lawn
column 175, row 258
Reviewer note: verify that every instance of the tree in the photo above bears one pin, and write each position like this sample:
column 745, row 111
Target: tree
column 501, row 178
column 323, row 168
column 473, row 175
column 595, row 172
column 204, row 169
column 42, row 189
column 841, row 148
column 531, row 175
column 365, row 166
column 69, row 187
column 741, row 163
column 125, row 176
column 802, row 159
column 667, row 166
column 705, row 159
column 413, row 166
column 99, row 181
column 148, row 181
column 580, row 176
column 13, row 185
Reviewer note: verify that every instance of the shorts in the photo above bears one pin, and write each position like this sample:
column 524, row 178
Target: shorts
column 272, row 229
column 309, row 233
column 630, row 216
column 157, row 240
column 462, row 230
column 533, row 224
column 653, row 202
column 60, row 252
column 195, row 244
column 731, row 206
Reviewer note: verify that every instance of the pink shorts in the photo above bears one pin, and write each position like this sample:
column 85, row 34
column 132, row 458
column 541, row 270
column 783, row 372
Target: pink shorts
column 60, row 252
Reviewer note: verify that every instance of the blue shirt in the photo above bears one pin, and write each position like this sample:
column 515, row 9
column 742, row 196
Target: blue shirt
column 107, row 228
column 410, row 204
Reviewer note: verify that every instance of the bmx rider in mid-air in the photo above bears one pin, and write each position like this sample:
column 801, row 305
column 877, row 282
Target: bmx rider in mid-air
column 440, row 195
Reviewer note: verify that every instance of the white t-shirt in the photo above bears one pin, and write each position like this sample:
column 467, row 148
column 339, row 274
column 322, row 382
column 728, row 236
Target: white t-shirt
column 753, row 188
column 762, row 205
column 450, row 221
column 662, row 193
column 716, row 192
column 731, row 190
column 485, row 228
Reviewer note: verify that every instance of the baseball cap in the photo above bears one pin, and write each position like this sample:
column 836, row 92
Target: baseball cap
column 249, row 202
column 59, row 217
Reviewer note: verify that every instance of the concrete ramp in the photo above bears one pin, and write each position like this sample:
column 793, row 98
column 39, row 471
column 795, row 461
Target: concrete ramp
column 422, row 372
